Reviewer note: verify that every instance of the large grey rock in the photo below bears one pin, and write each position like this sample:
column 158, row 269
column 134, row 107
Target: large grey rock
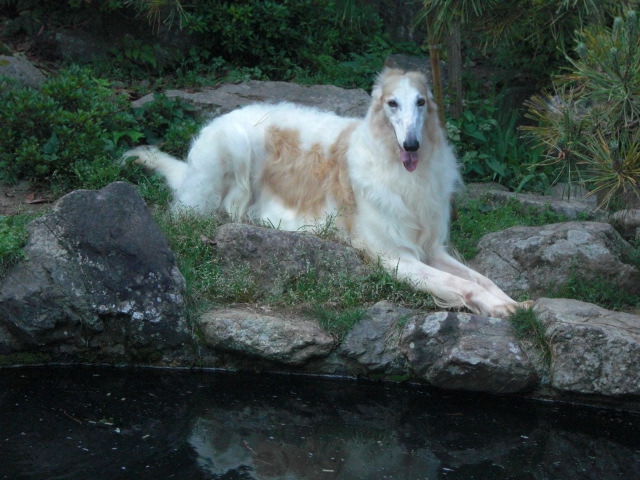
column 537, row 260
column 273, row 259
column 572, row 203
column 21, row 70
column 227, row 97
column 570, row 207
column 594, row 351
column 374, row 342
column 627, row 222
column 467, row 352
column 279, row 338
column 99, row 281
column 76, row 46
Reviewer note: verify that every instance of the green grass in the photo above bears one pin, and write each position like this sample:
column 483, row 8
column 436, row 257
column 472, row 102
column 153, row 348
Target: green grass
column 603, row 292
column 334, row 322
column 336, row 300
column 189, row 237
column 527, row 326
column 477, row 218
column 13, row 238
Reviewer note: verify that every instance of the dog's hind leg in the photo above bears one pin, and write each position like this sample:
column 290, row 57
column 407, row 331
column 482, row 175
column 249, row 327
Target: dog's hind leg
column 240, row 155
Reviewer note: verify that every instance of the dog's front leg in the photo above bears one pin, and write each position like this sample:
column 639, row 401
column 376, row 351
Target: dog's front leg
column 450, row 290
column 445, row 262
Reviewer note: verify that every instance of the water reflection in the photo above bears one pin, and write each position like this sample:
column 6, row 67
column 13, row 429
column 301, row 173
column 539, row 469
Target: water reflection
column 77, row 423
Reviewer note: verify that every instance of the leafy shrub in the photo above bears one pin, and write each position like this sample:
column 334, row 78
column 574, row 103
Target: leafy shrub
column 71, row 133
column 169, row 121
column 282, row 37
column 73, row 118
column 489, row 147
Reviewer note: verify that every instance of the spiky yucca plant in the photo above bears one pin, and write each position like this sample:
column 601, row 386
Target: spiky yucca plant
column 614, row 168
column 561, row 124
column 590, row 125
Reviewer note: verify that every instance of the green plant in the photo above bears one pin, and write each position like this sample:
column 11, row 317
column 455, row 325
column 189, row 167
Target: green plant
column 169, row 122
column 189, row 237
column 337, row 323
column 590, row 125
column 13, row 237
column 284, row 37
column 526, row 325
column 71, row 133
column 527, row 36
column 489, row 147
column 137, row 54
column 73, row 118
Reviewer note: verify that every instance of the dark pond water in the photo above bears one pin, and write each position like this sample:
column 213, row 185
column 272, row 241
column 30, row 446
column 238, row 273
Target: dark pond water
column 88, row 423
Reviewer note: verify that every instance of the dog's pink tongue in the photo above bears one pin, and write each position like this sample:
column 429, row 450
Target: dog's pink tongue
column 409, row 160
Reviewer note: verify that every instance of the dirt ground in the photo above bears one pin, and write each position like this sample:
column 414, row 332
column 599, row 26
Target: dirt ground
column 22, row 198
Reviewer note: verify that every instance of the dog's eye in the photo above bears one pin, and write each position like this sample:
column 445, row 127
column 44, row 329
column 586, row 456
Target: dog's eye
column 421, row 102
column 392, row 103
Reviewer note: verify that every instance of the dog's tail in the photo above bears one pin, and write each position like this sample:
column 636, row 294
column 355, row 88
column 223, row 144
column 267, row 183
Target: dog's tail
column 171, row 168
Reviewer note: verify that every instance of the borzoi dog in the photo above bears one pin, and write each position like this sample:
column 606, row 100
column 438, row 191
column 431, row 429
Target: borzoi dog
column 387, row 180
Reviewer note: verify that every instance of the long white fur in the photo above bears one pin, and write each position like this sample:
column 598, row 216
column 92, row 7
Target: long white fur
column 393, row 208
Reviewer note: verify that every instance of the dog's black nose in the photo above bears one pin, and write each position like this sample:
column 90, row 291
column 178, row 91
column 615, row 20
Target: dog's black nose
column 411, row 145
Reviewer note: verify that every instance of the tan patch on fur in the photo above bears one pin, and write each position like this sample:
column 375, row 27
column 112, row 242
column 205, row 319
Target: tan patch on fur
column 340, row 183
column 305, row 179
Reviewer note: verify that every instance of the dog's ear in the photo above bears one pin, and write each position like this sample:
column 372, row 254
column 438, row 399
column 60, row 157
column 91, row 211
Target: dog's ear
column 376, row 91
column 429, row 93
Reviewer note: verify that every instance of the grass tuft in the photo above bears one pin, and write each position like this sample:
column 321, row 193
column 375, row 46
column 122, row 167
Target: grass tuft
column 527, row 326
column 13, row 238
column 335, row 322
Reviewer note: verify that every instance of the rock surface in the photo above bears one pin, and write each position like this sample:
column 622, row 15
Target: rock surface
column 570, row 207
column 538, row 260
column 595, row 351
column 467, row 352
column 21, row 70
column 374, row 342
column 273, row 337
column 276, row 258
column 100, row 284
column 98, row 281
column 627, row 222
column 227, row 97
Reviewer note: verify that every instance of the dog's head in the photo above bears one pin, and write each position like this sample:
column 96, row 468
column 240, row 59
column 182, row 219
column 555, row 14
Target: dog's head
column 406, row 103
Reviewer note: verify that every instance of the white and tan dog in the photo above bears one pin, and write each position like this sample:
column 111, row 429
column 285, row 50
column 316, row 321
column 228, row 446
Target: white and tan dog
column 387, row 180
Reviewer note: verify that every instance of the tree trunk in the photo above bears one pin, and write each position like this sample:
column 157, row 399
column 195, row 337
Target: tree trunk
column 454, row 63
column 436, row 74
